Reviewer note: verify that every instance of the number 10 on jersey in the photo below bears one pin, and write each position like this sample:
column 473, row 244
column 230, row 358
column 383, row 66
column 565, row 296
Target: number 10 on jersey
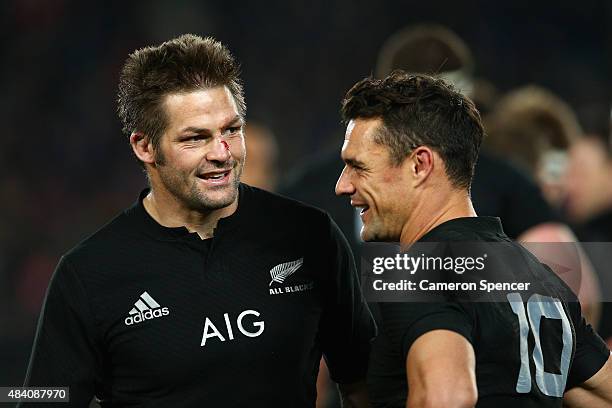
column 539, row 306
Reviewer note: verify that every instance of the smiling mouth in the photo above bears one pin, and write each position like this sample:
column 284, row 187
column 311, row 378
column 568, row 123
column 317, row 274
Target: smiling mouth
column 215, row 176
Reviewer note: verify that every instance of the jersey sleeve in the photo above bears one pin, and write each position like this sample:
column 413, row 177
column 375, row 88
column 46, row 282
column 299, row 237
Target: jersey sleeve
column 591, row 351
column 64, row 352
column 346, row 327
column 404, row 322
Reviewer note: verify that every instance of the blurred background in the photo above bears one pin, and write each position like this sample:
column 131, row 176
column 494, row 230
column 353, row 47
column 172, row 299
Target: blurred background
column 66, row 169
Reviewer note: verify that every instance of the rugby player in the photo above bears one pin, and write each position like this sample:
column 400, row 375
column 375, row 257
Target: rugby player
column 409, row 151
column 205, row 292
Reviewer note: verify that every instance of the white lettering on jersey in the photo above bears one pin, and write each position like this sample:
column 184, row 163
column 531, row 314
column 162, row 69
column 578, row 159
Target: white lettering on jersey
column 210, row 330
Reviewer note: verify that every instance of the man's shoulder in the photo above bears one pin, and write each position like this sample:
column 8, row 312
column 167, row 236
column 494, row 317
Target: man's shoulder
column 117, row 233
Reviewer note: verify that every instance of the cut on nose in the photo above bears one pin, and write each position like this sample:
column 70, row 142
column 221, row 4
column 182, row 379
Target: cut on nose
column 219, row 152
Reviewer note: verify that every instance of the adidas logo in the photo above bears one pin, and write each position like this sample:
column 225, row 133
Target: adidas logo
column 146, row 308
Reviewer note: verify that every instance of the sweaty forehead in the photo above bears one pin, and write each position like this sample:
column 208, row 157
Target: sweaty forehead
column 362, row 127
column 359, row 137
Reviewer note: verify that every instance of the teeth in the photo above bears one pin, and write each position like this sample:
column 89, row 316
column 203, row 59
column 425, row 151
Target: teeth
column 363, row 209
column 214, row 177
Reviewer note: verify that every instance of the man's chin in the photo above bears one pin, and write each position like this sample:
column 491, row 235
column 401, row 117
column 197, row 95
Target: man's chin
column 211, row 197
column 367, row 235
column 371, row 235
column 216, row 203
column 215, row 199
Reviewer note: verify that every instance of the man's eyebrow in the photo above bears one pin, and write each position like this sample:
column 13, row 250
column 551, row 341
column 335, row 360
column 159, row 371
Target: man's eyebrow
column 354, row 163
column 234, row 121
column 204, row 131
column 198, row 130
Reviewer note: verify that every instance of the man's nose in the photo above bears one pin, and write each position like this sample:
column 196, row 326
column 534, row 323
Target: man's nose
column 344, row 185
column 220, row 151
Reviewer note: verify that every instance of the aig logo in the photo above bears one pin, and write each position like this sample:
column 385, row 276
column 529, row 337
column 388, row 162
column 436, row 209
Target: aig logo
column 253, row 329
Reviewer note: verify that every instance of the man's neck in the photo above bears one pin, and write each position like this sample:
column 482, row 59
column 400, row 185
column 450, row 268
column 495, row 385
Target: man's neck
column 170, row 212
column 431, row 213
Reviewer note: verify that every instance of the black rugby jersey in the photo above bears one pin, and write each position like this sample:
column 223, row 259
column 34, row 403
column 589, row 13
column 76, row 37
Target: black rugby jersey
column 149, row 316
column 507, row 374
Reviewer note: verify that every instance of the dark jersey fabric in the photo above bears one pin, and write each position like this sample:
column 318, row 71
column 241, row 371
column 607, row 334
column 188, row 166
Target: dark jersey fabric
column 599, row 229
column 492, row 329
column 501, row 190
column 236, row 331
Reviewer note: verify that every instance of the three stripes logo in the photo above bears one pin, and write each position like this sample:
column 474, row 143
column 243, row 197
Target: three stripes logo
column 282, row 271
column 145, row 308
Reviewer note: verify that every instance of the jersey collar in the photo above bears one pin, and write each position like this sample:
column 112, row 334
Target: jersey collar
column 173, row 233
column 472, row 228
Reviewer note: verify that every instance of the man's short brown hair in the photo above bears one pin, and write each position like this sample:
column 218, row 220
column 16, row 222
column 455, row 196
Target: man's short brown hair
column 419, row 110
column 183, row 64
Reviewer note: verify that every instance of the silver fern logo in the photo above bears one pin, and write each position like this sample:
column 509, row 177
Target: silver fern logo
column 282, row 271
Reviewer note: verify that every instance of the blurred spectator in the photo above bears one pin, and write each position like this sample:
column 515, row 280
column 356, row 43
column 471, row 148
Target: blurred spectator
column 429, row 49
column 485, row 96
column 588, row 187
column 534, row 128
column 589, row 205
column 261, row 166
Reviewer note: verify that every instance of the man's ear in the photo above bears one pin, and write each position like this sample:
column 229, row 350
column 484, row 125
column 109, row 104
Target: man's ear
column 421, row 164
column 142, row 147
